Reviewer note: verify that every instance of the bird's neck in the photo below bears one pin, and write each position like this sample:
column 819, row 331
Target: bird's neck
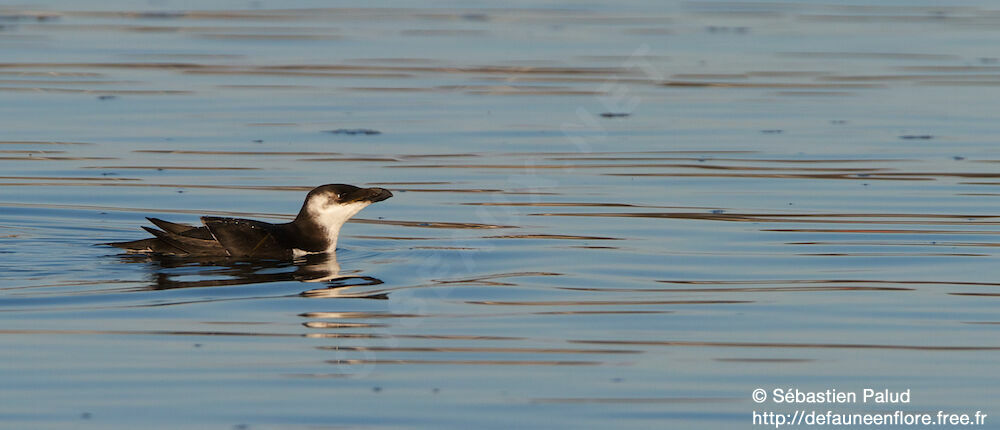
column 320, row 228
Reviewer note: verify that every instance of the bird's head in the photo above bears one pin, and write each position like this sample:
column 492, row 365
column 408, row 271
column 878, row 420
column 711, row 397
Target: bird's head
column 333, row 204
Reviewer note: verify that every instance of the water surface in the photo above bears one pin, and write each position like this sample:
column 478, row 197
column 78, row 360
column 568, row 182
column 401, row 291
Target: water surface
column 626, row 216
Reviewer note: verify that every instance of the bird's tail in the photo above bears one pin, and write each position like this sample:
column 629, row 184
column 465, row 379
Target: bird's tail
column 141, row 245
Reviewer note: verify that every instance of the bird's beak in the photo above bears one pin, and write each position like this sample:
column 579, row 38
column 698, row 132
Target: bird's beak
column 369, row 195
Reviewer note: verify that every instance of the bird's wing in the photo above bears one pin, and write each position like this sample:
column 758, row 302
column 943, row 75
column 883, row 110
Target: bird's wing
column 246, row 238
column 182, row 229
column 189, row 245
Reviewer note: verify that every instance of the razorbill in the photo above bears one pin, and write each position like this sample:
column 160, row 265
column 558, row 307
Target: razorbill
column 314, row 230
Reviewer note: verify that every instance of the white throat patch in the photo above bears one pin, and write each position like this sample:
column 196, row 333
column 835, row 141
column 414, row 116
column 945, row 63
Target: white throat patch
column 333, row 216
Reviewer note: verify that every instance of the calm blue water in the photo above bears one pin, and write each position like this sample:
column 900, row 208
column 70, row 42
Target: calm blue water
column 777, row 196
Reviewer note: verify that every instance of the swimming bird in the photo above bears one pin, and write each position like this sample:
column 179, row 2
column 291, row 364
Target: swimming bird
column 314, row 230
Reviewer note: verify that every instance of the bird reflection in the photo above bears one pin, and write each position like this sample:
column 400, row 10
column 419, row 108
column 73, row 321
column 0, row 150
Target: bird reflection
column 170, row 272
